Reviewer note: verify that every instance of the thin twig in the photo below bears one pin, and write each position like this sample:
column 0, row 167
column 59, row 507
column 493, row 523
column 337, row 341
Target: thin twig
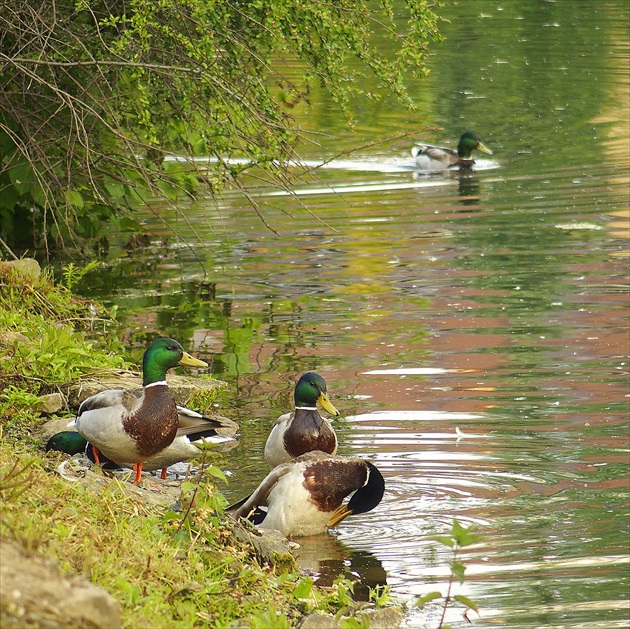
column 9, row 251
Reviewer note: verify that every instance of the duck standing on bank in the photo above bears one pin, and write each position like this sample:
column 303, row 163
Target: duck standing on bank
column 195, row 433
column 429, row 157
column 130, row 427
column 305, row 496
column 303, row 430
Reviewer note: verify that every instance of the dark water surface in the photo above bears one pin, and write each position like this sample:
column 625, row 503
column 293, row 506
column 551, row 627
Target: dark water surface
column 471, row 328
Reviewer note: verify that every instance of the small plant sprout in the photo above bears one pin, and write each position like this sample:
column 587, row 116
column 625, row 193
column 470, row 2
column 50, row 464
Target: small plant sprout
column 458, row 538
column 72, row 274
column 380, row 595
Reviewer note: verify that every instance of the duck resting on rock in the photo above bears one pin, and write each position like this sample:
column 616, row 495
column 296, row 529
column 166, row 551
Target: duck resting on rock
column 305, row 495
column 429, row 157
column 131, row 427
column 304, row 429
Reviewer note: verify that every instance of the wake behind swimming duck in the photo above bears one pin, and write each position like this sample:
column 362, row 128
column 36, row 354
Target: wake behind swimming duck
column 429, row 157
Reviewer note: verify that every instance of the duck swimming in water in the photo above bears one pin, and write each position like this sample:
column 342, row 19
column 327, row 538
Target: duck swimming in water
column 429, row 157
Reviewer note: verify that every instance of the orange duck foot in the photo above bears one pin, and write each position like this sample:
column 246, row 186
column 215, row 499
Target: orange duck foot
column 137, row 468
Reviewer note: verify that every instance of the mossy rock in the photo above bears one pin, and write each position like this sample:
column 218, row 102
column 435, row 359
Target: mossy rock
column 269, row 546
column 186, row 390
column 26, row 267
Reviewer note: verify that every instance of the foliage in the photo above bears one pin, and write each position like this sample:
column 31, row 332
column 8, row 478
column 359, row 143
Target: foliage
column 50, row 348
column 44, row 344
column 72, row 274
column 128, row 549
column 458, row 538
column 94, row 94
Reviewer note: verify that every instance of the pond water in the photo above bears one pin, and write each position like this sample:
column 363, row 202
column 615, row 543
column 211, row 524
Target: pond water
column 472, row 328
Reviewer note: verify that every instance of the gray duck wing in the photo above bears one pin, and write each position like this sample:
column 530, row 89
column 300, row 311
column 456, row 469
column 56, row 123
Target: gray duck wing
column 110, row 399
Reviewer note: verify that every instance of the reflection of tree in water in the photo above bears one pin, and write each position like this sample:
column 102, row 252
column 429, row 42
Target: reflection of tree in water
column 326, row 558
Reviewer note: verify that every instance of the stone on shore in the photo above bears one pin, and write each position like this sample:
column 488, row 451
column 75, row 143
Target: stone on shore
column 35, row 593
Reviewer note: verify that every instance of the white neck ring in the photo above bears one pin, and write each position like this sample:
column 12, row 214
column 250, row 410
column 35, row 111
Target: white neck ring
column 159, row 383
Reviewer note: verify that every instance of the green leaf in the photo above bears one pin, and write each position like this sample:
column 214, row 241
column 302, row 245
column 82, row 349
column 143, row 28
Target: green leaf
column 458, row 569
column 127, row 224
column 21, row 177
column 9, row 197
column 115, row 190
column 444, row 540
column 74, row 198
column 456, row 528
column 303, row 588
column 171, row 515
column 88, row 226
column 463, row 536
column 427, row 598
column 7, row 145
column 216, row 472
column 470, row 538
column 464, row 600
column 187, row 486
column 199, row 146
column 38, row 193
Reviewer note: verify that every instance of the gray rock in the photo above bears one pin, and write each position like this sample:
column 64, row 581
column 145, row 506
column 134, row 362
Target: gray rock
column 35, row 593
column 26, row 267
column 13, row 338
column 385, row 618
column 152, row 490
column 51, row 403
column 270, row 546
column 319, row 621
column 52, row 427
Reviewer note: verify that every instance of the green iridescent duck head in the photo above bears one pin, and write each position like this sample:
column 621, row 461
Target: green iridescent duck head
column 468, row 143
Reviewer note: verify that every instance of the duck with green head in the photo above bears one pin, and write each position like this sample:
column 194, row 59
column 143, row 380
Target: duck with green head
column 304, row 429
column 195, row 433
column 429, row 157
column 130, row 427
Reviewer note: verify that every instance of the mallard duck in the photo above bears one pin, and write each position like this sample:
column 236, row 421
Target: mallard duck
column 195, row 432
column 67, row 441
column 430, row 157
column 131, row 428
column 304, row 429
column 305, row 496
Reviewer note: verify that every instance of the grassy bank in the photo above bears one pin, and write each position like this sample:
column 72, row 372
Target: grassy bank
column 166, row 567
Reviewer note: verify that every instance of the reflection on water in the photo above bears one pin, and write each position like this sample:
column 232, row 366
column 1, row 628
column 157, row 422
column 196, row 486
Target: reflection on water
column 471, row 327
column 326, row 558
